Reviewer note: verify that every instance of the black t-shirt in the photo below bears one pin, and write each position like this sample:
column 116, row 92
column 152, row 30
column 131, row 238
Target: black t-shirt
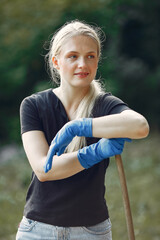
column 77, row 200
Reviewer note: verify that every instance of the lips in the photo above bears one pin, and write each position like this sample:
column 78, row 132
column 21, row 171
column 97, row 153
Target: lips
column 82, row 74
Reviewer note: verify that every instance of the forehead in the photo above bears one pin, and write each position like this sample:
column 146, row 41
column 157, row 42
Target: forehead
column 79, row 43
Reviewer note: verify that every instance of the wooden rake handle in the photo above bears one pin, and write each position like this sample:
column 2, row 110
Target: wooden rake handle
column 126, row 202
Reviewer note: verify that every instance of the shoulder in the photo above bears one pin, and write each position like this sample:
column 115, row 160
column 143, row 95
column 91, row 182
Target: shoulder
column 32, row 109
column 37, row 99
column 108, row 97
column 38, row 96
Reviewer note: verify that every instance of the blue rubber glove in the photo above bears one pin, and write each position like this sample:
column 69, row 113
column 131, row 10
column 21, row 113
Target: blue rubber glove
column 104, row 148
column 79, row 127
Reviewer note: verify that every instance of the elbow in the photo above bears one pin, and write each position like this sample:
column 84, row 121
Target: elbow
column 42, row 177
column 142, row 127
column 45, row 177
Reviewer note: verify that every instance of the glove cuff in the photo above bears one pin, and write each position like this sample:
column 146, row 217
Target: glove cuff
column 82, row 158
column 86, row 127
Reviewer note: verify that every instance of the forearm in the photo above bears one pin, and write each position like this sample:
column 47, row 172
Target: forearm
column 71, row 163
column 127, row 124
column 36, row 148
column 63, row 166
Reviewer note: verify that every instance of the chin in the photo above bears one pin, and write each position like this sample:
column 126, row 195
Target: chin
column 81, row 83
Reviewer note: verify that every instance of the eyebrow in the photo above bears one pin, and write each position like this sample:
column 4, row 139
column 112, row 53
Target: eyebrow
column 78, row 52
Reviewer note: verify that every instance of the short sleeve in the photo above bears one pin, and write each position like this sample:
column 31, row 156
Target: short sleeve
column 115, row 105
column 29, row 116
column 108, row 104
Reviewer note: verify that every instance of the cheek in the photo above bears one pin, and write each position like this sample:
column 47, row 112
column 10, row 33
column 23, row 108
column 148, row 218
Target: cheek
column 94, row 66
column 64, row 66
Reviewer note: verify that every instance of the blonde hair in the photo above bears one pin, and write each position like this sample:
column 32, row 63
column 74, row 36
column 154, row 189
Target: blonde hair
column 67, row 31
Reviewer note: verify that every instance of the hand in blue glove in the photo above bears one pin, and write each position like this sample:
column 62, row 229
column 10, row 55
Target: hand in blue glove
column 104, row 148
column 79, row 127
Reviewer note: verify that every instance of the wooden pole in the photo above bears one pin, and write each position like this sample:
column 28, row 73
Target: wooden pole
column 126, row 203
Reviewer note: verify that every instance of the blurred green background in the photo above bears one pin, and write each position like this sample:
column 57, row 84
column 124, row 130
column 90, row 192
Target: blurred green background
column 130, row 69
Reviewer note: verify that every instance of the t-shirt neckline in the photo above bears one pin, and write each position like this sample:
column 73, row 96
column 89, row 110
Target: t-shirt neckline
column 59, row 105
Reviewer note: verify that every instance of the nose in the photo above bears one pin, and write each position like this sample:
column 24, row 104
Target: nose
column 82, row 62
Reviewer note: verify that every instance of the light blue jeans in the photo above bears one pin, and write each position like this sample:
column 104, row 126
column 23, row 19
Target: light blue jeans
column 33, row 230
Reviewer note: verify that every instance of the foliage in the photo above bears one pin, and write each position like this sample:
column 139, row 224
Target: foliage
column 130, row 64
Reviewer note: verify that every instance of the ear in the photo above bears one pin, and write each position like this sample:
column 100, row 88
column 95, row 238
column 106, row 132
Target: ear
column 55, row 62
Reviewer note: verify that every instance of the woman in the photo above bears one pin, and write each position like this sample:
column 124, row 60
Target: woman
column 65, row 199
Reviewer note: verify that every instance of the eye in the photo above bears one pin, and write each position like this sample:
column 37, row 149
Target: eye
column 91, row 56
column 73, row 57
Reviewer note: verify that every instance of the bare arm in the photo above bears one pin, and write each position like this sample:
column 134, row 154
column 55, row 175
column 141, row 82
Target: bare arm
column 36, row 148
column 128, row 124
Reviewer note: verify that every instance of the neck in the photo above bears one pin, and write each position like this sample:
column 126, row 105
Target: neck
column 70, row 97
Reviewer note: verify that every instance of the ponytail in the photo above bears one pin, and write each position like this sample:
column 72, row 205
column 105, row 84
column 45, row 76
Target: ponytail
column 84, row 110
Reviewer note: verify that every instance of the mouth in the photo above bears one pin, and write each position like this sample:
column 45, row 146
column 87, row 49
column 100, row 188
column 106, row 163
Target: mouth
column 82, row 74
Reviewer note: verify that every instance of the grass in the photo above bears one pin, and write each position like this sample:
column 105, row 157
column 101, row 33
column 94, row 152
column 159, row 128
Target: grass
column 14, row 179
column 142, row 169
